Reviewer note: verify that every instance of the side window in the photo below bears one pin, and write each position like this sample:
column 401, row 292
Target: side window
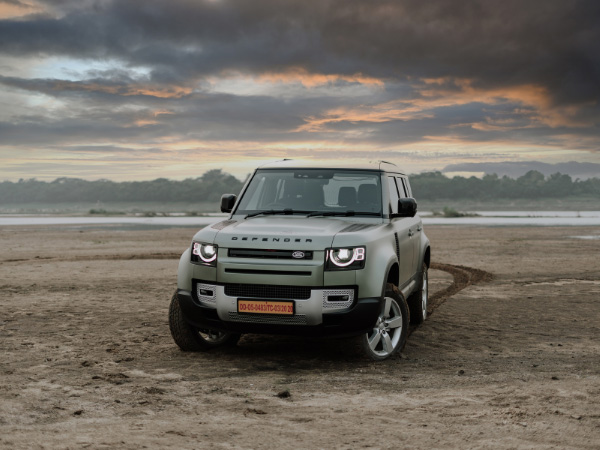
column 402, row 187
column 393, row 195
column 407, row 187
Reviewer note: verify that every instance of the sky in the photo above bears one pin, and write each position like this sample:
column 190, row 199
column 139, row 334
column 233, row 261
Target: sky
column 142, row 89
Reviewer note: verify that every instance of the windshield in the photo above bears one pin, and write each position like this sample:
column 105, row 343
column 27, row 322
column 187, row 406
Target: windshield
column 306, row 191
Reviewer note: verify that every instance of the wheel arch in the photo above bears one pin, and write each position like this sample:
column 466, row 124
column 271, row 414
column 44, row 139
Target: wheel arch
column 381, row 258
column 185, row 271
column 393, row 274
column 427, row 256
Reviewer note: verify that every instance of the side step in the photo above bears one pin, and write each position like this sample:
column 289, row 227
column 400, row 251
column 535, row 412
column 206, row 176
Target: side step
column 408, row 288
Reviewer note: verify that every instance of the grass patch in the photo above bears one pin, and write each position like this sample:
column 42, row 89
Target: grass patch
column 112, row 208
column 452, row 213
column 104, row 212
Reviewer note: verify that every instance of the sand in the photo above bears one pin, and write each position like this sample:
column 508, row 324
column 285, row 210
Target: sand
column 509, row 358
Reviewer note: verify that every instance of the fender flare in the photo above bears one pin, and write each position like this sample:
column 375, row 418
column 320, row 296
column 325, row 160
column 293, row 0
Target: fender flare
column 388, row 268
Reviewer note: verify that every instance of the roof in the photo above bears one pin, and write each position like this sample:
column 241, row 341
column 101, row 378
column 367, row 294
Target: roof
column 303, row 164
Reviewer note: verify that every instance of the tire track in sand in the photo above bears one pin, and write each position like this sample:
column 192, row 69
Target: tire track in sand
column 464, row 277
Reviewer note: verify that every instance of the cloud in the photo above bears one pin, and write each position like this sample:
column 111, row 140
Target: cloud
column 549, row 43
column 65, row 87
column 307, row 79
column 15, row 3
column 352, row 75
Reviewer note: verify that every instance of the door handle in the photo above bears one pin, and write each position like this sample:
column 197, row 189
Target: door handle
column 410, row 233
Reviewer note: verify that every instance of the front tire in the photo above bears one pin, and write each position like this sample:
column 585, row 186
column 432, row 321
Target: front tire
column 390, row 332
column 418, row 301
column 190, row 339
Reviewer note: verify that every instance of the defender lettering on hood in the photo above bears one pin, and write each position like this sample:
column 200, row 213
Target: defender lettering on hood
column 266, row 239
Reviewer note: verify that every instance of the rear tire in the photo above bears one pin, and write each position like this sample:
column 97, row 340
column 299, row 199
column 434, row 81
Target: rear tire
column 418, row 301
column 390, row 332
column 191, row 339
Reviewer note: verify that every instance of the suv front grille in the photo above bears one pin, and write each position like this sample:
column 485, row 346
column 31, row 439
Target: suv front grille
column 268, row 291
column 298, row 319
column 269, row 254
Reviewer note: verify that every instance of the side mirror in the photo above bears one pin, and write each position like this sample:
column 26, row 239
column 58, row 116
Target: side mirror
column 407, row 207
column 227, row 202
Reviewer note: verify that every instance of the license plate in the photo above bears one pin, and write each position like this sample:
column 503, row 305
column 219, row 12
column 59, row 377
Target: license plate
column 265, row 307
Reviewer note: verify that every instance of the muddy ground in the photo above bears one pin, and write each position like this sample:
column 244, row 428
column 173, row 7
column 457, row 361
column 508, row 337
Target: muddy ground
column 507, row 360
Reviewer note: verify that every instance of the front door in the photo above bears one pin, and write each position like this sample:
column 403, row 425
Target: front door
column 405, row 229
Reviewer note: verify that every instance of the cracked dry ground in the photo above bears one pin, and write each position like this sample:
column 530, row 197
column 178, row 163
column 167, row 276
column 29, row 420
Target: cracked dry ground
column 510, row 360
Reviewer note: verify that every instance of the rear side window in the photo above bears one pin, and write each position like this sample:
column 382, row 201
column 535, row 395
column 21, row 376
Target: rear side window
column 393, row 195
column 407, row 187
column 402, row 187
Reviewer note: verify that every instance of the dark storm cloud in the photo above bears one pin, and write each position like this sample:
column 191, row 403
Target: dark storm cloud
column 39, row 131
column 121, row 89
column 100, row 115
column 222, row 80
column 127, row 110
column 222, row 117
column 13, row 2
column 551, row 43
column 218, row 116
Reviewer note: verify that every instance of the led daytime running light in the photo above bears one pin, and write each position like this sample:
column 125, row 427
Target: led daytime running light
column 358, row 254
column 206, row 252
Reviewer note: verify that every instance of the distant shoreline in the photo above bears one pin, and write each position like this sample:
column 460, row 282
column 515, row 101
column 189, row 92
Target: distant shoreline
column 481, row 218
column 152, row 209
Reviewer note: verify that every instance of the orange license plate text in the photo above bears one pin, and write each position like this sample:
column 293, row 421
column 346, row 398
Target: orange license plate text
column 265, row 307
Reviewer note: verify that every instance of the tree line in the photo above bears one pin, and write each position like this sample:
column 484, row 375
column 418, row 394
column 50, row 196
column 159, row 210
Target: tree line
column 210, row 186
column 207, row 188
column 532, row 185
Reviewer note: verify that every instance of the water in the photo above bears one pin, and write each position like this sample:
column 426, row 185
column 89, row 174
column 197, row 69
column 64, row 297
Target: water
column 521, row 218
column 575, row 214
column 107, row 221
column 484, row 218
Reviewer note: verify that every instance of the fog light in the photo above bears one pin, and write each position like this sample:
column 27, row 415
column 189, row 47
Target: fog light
column 206, row 293
column 338, row 298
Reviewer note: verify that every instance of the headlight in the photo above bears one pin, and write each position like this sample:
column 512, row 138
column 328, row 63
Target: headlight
column 351, row 258
column 204, row 253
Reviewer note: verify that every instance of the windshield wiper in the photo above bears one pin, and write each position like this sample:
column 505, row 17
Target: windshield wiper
column 287, row 211
column 331, row 213
column 343, row 213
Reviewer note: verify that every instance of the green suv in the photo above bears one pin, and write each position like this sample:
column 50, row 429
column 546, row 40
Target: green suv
column 308, row 250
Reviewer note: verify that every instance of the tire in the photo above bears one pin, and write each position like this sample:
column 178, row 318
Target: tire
column 390, row 332
column 419, row 300
column 190, row 339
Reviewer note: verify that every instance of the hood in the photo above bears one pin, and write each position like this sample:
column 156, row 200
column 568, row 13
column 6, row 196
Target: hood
column 281, row 232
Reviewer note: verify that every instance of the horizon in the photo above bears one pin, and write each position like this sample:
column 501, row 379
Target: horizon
column 143, row 89
column 521, row 171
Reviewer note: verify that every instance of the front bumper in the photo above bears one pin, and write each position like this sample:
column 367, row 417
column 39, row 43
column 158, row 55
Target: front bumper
column 314, row 316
